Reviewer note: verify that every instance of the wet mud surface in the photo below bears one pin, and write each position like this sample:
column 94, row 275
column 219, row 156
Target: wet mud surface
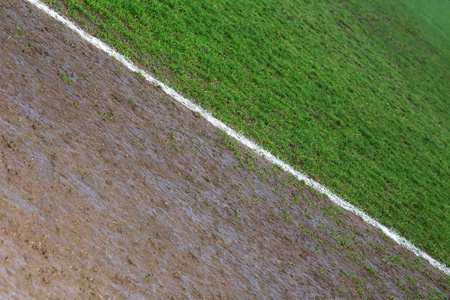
column 109, row 189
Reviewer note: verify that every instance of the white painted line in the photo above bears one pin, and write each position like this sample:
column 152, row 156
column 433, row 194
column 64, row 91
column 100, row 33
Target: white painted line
column 242, row 139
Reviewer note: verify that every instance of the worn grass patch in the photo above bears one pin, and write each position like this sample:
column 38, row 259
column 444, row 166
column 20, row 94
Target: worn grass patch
column 353, row 93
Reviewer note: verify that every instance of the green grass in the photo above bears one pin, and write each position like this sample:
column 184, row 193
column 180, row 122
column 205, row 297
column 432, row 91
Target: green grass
column 435, row 13
column 352, row 93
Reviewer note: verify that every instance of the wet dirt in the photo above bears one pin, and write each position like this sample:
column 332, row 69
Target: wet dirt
column 111, row 189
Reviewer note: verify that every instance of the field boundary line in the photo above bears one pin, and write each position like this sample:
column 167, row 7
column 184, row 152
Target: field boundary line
column 242, row 139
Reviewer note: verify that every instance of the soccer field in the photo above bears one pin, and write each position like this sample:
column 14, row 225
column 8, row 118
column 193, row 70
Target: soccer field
column 352, row 93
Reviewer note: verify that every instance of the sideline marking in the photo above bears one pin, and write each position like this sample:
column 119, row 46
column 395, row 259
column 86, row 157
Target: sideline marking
column 242, row 139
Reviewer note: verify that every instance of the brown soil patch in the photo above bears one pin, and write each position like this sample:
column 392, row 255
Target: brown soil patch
column 110, row 189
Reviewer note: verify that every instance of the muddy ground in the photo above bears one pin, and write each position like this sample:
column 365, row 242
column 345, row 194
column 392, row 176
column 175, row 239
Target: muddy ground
column 110, row 189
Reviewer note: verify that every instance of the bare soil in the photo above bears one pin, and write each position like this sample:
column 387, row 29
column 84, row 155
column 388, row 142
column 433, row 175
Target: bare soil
column 110, row 189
